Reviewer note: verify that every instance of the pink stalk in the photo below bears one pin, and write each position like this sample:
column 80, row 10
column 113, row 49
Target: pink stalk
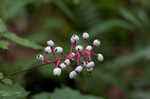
column 57, row 63
column 94, row 54
column 78, row 58
column 45, row 54
column 64, row 55
column 85, row 43
column 93, row 48
column 89, row 56
column 47, row 62
column 53, row 53
column 84, row 58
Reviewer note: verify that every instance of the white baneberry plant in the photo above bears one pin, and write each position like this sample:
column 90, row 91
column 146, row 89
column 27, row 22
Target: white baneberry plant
column 86, row 52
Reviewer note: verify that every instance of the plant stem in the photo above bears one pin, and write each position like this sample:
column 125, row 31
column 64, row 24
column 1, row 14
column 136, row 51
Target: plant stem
column 25, row 70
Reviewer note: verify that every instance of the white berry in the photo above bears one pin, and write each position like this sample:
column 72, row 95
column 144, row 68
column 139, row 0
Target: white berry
column 67, row 62
column 96, row 42
column 100, row 57
column 74, row 38
column 58, row 49
column 57, row 71
column 89, row 48
column 62, row 65
column 72, row 74
column 48, row 49
column 90, row 64
column 40, row 57
column 85, row 35
column 50, row 43
column 79, row 69
column 79, row 48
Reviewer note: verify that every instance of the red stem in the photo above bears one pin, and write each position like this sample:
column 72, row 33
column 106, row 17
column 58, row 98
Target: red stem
column 78, row 58
column 45, row 54
column 89, row 56
column 46, row 62
column 93, row 48
column 57, row 63
column 84, row 58
column 66, row 56
column 53, row 53
column 94, row 54
column 85, row 43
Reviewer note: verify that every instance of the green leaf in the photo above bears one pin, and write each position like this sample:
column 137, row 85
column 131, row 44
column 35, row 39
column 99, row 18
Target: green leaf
column 13, row 92
column 22, row 41
column 143, row 16
column 107, row 25
column 64, row 8
column 122, row 62
column 68, row 93
column 4, row 44
column 13, row 9
column 1, row 75
column 65, row 93
column 140, row 94
column 7, row 81
column 2, row 26
column 130, row 17
column 42, row 96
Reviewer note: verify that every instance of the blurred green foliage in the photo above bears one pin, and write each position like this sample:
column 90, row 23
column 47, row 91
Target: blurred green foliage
column 64, row 94
column 123, row 26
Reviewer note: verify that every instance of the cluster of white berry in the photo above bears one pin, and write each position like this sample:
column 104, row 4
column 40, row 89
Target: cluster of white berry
column 86, row 52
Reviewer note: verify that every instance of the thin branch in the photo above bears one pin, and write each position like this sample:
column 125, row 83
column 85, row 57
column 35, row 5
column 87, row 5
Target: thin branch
column 25, row 70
